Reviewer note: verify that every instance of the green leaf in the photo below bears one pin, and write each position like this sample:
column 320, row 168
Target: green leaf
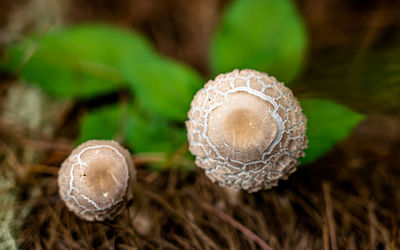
column 80, row 61
column 163, row 86
column 141, row 132
column 327, row 123
column 152, row 134
column 104, row 123
column 266, row 35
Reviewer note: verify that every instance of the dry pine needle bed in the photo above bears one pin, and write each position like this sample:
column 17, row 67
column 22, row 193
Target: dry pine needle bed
column 347, row 200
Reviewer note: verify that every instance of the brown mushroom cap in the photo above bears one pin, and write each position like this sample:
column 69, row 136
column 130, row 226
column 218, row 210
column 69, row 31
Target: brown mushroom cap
column 93, row 180
column 247, row 130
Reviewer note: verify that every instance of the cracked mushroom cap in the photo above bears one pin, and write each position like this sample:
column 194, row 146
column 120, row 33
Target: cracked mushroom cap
column 247, row 130
column 94, row 179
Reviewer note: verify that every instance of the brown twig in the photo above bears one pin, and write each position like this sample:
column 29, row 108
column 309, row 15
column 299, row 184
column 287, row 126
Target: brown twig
column 43, row 169
column 234, row 223
column 329, row 214
column 12, row 159
column 372, row 226
column 172, row 159
column 59, row 144
column 146, row 158
column 32, row 49
column 394, row 233
column 325, row 235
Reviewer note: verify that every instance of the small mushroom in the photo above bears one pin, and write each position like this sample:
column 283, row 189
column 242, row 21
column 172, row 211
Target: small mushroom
column 94, row 179
column 247, row 130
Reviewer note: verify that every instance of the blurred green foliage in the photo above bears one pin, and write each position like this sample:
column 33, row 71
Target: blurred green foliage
column 90, row 60
column 81, row 61
column 142, row 132
column 163, row 86
column 266, row 35
column 104, row 123
column 327, row 123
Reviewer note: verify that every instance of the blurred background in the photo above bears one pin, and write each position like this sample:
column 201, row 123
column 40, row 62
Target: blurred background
column 127, row 70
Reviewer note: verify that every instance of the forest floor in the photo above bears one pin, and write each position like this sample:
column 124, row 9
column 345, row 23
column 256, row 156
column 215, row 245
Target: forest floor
column 348, row 199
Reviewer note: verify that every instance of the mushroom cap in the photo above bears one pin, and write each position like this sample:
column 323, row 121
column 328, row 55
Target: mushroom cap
column 93, row 180
column 247, row 130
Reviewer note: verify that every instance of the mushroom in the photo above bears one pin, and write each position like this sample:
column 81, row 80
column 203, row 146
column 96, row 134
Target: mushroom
column 94, row 179
column 247, row 130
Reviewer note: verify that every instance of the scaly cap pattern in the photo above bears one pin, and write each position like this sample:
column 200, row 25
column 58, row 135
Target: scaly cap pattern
column 247, row 130
column 93, row 180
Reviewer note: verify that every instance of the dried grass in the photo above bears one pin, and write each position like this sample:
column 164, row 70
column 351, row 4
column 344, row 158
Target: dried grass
column 335, row 203
column 349, row 199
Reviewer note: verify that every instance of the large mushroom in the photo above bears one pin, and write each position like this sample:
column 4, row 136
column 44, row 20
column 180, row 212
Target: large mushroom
column 247, row 130
column 93, row 181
